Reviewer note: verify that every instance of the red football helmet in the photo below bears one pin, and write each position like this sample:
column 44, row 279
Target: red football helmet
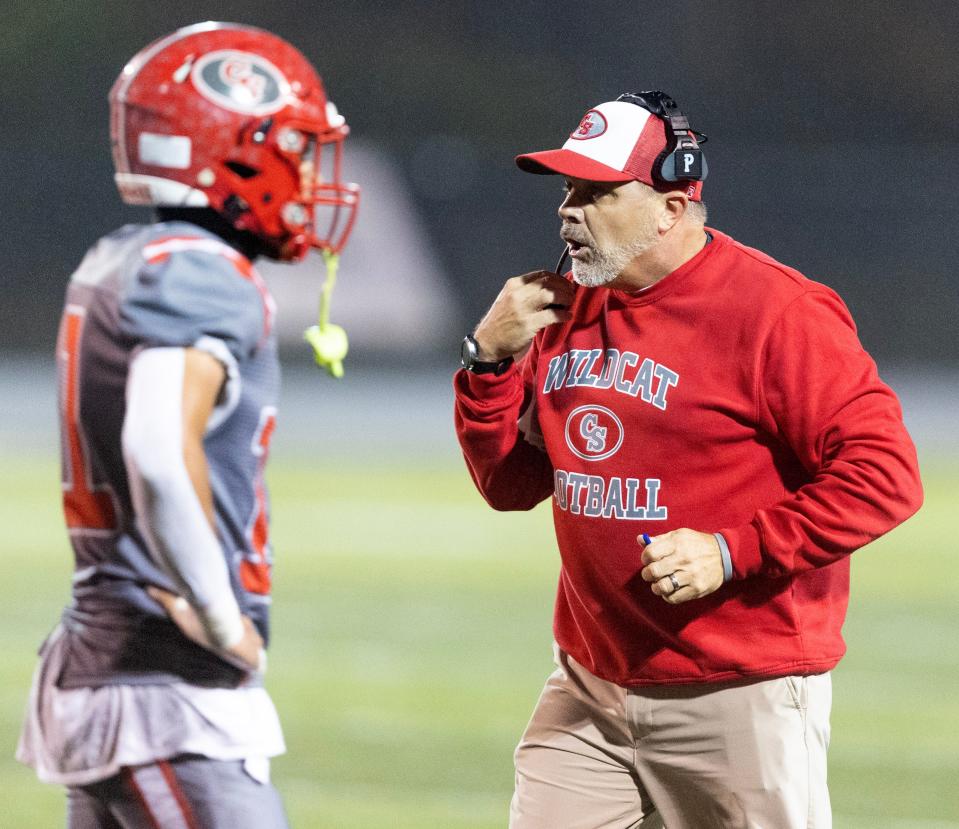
column 234, row 118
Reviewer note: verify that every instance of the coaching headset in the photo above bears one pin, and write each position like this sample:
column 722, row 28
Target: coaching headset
column 681, row 159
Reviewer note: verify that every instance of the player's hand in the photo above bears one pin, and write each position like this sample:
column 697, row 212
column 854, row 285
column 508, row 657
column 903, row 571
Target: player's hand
column 247, row 654
column 692, row 558
column 526, row 304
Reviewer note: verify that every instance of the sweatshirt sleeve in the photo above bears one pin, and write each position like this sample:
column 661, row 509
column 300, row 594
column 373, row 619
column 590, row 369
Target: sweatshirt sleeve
column 508, row 468
column 819, row 393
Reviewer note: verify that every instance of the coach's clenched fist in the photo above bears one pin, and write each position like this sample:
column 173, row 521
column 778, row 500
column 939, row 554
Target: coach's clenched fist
column 683, row 565
column 526, row 304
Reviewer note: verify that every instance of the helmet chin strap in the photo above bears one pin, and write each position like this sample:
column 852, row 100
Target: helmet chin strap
column 329, row 341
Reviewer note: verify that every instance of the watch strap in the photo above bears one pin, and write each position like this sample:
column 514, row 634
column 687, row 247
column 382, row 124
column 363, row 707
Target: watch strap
column 473, row 365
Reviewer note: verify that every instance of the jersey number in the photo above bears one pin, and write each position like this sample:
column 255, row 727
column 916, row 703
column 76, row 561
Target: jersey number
column 255, row 568
column 88, row 506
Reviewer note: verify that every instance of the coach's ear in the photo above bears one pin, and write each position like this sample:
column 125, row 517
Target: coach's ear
column 674, row 204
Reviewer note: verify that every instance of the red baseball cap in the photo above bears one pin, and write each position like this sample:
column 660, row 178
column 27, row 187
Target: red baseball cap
column 615, row 141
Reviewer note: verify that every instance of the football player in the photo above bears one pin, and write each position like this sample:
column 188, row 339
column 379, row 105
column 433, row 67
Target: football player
column 148, row 703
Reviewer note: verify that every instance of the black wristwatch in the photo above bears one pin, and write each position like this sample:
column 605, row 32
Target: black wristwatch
column 469, row 357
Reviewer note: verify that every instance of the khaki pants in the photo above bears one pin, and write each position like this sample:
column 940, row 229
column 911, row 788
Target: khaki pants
column 745, row 755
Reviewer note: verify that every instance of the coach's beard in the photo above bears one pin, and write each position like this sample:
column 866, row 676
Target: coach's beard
column 603, row 266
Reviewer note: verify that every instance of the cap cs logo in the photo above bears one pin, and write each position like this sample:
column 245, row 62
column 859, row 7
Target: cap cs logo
column 241, row 82
column 593, row 125
column 593, row 433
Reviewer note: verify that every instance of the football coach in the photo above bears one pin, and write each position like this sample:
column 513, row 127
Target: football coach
column 716, row 442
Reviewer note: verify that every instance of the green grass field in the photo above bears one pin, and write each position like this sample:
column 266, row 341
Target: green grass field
column 412, row 636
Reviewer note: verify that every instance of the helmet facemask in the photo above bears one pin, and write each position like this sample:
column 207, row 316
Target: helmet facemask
column 286, row 187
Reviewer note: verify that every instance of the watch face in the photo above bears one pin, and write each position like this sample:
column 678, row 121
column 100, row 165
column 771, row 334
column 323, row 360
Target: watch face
column 467, row 352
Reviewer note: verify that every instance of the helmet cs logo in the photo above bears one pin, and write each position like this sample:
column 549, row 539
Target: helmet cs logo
column 593, row 125
column 593, row 433
column 241, row 82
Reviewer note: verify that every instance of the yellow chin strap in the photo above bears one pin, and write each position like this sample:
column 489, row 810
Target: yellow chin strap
column 329, row 341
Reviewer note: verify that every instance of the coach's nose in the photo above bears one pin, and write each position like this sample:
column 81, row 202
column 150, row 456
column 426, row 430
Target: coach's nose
column 570, row 211
column 577, row 195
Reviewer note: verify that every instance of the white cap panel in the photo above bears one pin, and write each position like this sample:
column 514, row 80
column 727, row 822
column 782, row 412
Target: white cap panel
column 615, row 131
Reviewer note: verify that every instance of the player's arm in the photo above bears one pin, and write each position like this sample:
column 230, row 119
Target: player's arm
column 509, row 472
column 171, row 394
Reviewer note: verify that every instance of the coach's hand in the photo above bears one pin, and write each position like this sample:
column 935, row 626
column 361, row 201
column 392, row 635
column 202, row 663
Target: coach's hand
column 526, row 304
column 692, row 558
column 247, row 654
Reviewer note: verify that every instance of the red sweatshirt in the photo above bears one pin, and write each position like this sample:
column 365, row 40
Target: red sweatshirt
column 732, row 396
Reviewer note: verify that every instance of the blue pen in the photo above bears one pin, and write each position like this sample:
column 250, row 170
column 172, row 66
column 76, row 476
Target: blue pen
column 646, row 539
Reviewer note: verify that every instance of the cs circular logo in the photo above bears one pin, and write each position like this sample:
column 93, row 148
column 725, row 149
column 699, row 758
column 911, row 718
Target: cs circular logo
column 593, row 125
column 241, row 81
column 593, row 433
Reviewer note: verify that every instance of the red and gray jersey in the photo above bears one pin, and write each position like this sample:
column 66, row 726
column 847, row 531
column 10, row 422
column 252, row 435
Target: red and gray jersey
column 166, row 284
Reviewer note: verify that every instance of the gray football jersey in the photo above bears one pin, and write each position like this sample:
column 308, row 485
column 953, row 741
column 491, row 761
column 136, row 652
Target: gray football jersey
column 166, row 284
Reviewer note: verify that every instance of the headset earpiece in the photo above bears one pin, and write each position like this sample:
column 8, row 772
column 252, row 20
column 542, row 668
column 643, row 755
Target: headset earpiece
column 685, row 163
column 681, row 159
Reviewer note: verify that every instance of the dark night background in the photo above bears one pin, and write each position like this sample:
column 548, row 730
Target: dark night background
column 833, row 146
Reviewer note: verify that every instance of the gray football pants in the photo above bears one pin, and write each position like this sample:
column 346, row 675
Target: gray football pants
column 744, row 755
column 185, row 792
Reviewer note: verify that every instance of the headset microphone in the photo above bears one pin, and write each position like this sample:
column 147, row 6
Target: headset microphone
column 559, row 272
